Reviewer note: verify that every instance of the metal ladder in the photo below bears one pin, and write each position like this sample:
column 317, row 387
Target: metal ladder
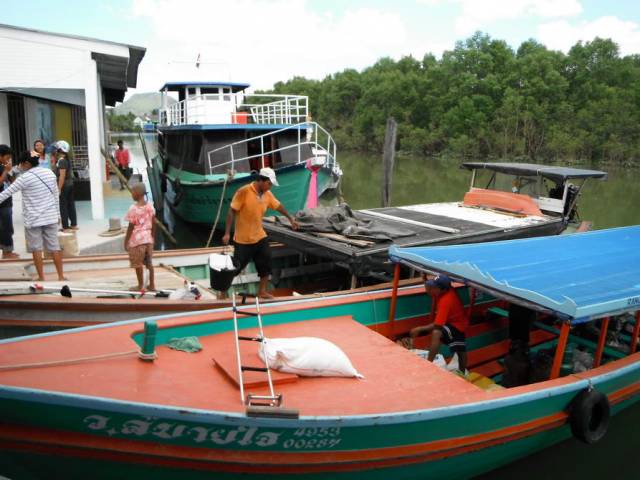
column 263, row 401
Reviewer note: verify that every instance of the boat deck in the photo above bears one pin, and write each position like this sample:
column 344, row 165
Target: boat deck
column 459, row 224
column 395, row 379
column 104, row 279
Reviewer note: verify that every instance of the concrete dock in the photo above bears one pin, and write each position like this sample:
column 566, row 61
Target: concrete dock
column 89, row 241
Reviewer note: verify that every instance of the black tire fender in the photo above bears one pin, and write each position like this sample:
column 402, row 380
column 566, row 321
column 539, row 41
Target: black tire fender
column 179, row 192
column 589, row 416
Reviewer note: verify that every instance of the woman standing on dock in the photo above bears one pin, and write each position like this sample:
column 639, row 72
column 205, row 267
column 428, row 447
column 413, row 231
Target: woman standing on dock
column 39, row 148
column 65, row 186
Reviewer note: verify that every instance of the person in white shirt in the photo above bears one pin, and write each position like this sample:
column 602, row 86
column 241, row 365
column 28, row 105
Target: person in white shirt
column 40, row 211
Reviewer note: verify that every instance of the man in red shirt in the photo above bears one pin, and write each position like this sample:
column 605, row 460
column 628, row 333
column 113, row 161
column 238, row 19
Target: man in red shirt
column 122, row 160
column 451, row 321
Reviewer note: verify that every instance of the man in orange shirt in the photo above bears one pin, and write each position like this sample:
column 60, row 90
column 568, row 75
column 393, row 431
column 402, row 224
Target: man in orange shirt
column 451, row 321
column 248, row 206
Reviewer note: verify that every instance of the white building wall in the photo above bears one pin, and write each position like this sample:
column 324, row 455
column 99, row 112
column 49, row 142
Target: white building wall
column 32, row 59
column 31, row 63
column 40, row 59
column 5, row 137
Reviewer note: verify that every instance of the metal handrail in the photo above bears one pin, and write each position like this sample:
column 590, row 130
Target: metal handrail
column 311, row 134
column 287, row 109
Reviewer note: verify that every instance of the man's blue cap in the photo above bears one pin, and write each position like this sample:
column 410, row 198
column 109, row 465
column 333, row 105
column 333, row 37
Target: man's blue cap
column 441, row 281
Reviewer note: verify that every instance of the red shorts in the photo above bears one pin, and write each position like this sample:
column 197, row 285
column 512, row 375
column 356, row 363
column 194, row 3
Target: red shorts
column 141, row 255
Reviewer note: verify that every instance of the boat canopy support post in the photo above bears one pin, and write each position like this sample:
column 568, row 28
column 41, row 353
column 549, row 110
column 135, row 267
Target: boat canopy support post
column 562, row 344
column 394, row 300
column 633, row 346
column 604, row 327
column 472, row 301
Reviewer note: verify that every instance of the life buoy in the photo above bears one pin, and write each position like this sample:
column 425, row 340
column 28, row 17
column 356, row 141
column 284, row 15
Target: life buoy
column 589, row 416
column 178, row 191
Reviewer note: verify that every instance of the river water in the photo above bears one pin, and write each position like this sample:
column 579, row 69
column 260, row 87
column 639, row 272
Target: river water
column 611, row 203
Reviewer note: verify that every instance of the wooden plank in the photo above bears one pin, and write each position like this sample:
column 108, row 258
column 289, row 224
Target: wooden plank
column 13, row 272
column 489, row 369
column 440, row 228
column 341, row 238
column 500, row 349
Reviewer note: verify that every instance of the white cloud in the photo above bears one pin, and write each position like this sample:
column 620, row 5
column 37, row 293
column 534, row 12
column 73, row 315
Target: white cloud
column 261, row 41
column 476, row 14
column 562, row 35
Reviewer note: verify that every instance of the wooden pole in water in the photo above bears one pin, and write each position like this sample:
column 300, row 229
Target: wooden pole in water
column 126, row 184
column 604, row 326
column 394, row 300
column 388, row 157
column 562, row 345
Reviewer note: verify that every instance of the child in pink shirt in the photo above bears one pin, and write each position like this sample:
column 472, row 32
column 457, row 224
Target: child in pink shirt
column 140, row 234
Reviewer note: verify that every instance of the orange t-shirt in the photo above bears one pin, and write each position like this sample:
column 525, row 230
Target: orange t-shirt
column 449, row 310
column 250, row 208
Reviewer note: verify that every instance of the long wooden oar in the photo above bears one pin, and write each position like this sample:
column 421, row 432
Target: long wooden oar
column 66, row 291
column 126, row 184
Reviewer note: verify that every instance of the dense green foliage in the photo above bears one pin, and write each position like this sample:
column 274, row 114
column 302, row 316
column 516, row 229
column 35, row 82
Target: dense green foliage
column 483, row 99
column 122, row 123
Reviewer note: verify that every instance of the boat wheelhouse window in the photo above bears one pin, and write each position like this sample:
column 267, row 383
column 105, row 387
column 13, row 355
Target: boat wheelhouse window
column 213, row 93
column 174, row 148
column 227, row 91
column 525, row 185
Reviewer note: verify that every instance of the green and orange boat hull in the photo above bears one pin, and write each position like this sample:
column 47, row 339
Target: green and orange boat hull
column 70, row 434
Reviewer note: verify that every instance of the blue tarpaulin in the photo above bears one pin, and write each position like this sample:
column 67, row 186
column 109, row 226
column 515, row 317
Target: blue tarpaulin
column 580, row 276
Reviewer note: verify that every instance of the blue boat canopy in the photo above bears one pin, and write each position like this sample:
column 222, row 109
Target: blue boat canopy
column 580, row 277
column 177, row 86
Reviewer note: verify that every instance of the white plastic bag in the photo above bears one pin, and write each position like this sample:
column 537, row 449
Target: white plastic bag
column 188, row 292
column 438, row 360
column 220, row 262
column 306, row 356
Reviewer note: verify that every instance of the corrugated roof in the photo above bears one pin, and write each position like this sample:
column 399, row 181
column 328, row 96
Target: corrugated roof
column 581, row 276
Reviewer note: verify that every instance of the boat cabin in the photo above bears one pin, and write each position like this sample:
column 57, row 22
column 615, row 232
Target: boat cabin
column 202, row 103
column 554, row 297
column 527, row 188
column 214, row 127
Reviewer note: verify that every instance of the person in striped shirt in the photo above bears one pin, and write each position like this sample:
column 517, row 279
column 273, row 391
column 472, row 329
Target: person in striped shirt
column 40, row 211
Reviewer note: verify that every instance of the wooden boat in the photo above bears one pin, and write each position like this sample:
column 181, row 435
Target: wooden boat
column 81, row 402
column 545, row 203
column 213, row 140
column 23, row 311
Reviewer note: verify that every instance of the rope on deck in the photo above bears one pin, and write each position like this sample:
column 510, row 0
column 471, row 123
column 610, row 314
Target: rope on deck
column 53, row 363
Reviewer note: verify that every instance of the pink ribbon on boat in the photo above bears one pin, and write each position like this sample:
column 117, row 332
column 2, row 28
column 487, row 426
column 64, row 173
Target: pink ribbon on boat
column 312, row 196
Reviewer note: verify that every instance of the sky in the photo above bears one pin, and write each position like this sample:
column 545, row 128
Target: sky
column 264, row 41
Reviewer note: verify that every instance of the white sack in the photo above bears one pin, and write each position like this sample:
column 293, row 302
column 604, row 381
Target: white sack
column 306, row 356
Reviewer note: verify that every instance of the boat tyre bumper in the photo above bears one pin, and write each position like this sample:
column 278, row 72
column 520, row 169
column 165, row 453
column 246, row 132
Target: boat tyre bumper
column 589, row 416
column 179, row 192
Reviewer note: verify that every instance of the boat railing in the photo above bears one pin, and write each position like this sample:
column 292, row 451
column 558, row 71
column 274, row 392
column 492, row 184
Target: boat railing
column 319, row 140
column 229, row 108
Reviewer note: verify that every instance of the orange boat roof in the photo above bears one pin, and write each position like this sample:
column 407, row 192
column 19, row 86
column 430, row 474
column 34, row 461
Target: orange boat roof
column 395, row 380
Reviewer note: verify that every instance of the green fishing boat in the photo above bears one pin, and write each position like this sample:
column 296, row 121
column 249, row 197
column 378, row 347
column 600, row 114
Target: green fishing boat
column 117, row 400
column 215, row 138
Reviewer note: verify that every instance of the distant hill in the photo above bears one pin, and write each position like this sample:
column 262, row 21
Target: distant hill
column 141, row 103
